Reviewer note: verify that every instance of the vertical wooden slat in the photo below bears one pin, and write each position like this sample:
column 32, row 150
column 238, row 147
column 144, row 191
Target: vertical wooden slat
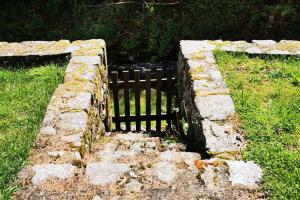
column 126, row 99
column 148, row 99
column 116, row 99
column 170, row 87
column 137, row 99
column 158, row 100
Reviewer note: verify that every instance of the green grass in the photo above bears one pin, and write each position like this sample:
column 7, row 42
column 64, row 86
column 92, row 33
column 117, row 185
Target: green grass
column 24, row 96
column 266, row 94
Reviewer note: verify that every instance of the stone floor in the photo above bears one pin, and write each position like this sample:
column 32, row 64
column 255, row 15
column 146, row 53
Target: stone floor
column 136, row 166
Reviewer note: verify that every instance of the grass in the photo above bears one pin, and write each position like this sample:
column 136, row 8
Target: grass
column 24, row 95
column 266, row 93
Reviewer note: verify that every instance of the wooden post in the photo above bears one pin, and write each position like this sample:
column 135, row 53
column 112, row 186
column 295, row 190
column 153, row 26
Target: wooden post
column 126, row 99
column 158, row 100
column 137, row 99
column 170, row 87
column 116, row 99
column 148, row 99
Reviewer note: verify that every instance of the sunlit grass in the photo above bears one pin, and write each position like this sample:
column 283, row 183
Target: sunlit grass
column 24, row 95
column 266, row 93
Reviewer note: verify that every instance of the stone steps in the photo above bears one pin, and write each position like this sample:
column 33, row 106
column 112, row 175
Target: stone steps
column 136, row 166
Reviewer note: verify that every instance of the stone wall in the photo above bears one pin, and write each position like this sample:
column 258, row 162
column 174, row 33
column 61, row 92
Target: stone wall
column 78, row 111
column 205, row 100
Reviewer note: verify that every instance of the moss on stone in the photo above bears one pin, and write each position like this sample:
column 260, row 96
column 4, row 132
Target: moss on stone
column 219, row 44
column 208, row 93
column 200, row 77
column 288, row 46
column 196, row 70
column 197, row 56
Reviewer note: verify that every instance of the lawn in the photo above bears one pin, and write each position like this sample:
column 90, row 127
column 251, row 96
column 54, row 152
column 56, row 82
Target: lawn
column 266, row 93
column 24, row 95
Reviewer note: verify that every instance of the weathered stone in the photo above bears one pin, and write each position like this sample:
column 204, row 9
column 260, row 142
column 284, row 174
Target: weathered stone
column 81, row 72
column 44, row 172
column 131, row 136
column 189, row 158
column 72, row 122
column 221, row 138
column 164, row 171
column 74, row 139
column 97, row 197
column 254, row 50
column 110, row 147
column 55, row 153
column 105, row 173
column 133, row 186
column 170, row 156
column 89, row 60
column 136, row 147
column 229, row 48
column 210, row 60
column 247, row 174
column 80, row 101
column 191, row 46
column 151, row 145
column 279, row 52
column 177, row 157
column 216, row 180
column 264, row 42
column 77, row 155
column 215, row 107
column 215, row 75
column 112, row 156
column 48, row 130
column 49, row 118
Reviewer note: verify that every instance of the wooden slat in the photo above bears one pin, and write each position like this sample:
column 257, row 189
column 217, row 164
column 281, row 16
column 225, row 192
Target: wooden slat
column 126, row 99
column 143, row 83
column 170, row 87
column 158, row 99
column 148, row 99
column 116, row 99
column 137, row 99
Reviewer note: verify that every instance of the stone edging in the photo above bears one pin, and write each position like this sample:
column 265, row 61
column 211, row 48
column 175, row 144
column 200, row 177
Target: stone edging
column 77, row 112
column 207, row 104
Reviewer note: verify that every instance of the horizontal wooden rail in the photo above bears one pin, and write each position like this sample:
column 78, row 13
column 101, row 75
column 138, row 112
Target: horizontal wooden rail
column 143, row 84
column 163, row 116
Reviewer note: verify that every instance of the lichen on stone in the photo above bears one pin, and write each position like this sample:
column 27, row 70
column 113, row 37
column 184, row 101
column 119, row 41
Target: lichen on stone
column 197, row 56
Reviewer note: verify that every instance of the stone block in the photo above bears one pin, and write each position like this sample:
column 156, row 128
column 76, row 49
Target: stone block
column 215, row 107
column 264, row 42
column 105, row 173
column 247, row 174
column 89, row 60
column 72, row 122
column 79, row 101
column 48, row 130
column 192, row 46
column 44, row 172
column 221, row 138
column 164, row 171
column 74, row 139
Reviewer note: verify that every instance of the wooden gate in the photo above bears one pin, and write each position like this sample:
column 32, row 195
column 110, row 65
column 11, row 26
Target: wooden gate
column 162, row 84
